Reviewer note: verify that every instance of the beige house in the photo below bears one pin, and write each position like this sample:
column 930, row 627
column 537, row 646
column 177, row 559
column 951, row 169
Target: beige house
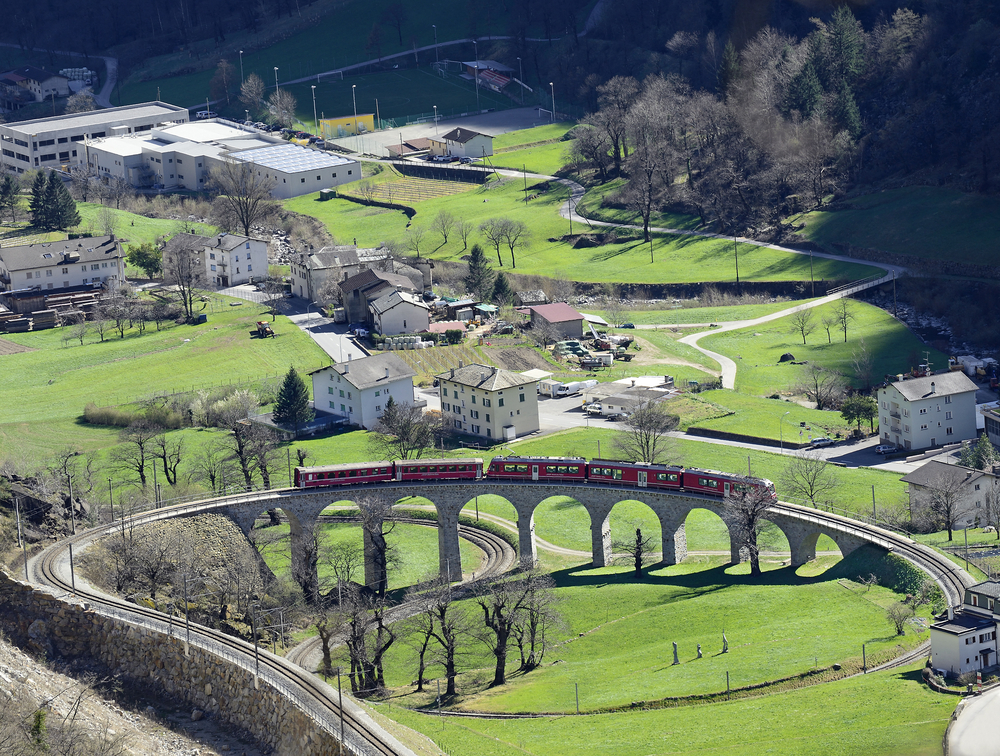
column 966, row 641
column 919, row 413
column 462, row 142
column 498, row 405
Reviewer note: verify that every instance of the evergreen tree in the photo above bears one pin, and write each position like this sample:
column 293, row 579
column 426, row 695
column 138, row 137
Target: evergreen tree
column 37, row 204
column 60, row 210
column 845, row 111
column 729, row 68
column 805, row 93
column 10, row 196
column 844, row 49
column 980, row 456
column 480, row 279
column 292, row 405
column 503, row 294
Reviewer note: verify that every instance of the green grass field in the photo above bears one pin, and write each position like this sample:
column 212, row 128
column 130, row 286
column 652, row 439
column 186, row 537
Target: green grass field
column 894, row 348
column 546, row 159
column 677, row 259
column 883, row 714
column 47, row 388
column 416, row 558
column 590, row 207
column 136, row 229
column 550, row 132
column 309, row 51
column 923, row 221
column 685, row 315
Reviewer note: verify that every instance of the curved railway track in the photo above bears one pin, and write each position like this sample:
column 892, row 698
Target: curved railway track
column 314, row 696
column 362, row 736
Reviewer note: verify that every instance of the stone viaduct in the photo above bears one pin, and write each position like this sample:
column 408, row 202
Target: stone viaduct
column 303, row 507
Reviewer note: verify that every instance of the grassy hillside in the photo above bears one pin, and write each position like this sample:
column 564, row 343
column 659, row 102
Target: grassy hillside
column 923, row 221
column 683, row 259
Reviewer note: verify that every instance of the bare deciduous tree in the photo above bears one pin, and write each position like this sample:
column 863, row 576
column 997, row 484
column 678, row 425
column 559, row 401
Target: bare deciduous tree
column 378, row 519
column 444, row 222
column 185, row 269
column 822, row 386
column 898, row 614
column 403, row 432
column 465, row 229
column 281, row 107
column 645, row 433
column 515, row 234
column 844, row 314
column 493, row 231
column 244, row 193
column 745, row 509
column 808, row 476
column 252, row 93
column 135, row 452
column 801, row 322
column 636, row 551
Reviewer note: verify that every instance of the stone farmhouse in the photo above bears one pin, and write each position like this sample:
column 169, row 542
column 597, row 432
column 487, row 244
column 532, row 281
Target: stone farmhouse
column 964, row 489
column 359, row 291
column 399, row 312
column 919, row 413
column 311, row 272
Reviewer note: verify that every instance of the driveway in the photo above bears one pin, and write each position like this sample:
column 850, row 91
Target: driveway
column 975, row 731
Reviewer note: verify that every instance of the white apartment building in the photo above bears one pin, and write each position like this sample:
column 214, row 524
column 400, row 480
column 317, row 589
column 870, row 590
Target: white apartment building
column 89, row 262
column 358, row 390
column 497, row 404
column 399, row 312
column 61, row 140
column 919, row 413
column 229, row 259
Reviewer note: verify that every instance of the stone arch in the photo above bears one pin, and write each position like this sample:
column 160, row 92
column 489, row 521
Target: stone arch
column 715, row 516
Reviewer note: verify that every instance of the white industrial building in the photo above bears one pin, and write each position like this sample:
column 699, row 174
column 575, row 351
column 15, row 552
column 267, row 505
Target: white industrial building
column 182, row 156
column 60, row 141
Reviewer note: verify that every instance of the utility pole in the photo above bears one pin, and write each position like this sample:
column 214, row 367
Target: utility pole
column 242, row 80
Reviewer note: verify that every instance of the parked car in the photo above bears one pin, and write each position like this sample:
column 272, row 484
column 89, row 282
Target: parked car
column 617, row 416
column 885, row 449
column 465, row 160
column 627, row 325
column 822, row 441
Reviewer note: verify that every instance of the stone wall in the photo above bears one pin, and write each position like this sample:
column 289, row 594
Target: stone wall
column 40, row 621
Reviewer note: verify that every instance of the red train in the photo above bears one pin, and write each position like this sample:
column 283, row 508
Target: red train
column 540, row 469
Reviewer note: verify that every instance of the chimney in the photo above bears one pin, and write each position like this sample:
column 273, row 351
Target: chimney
column 387, row 373
column 933, row 389
column 482, row 376
column 951, row 612
column 461, row 364
column 347, row 367
column 453, row 372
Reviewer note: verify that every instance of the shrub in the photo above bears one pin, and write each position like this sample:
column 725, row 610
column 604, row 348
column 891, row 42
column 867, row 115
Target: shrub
column 108, row 416
column 454, row 335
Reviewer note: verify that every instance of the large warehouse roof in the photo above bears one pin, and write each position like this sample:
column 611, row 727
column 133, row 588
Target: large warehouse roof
column 108, row 118
column 290, row 158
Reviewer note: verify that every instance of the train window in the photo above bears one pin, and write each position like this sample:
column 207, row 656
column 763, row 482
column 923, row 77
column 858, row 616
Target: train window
column 618, row 475
column 667, row 476
column 574, row 469
column 510, row 468
column 452, row 468
column 708, row 483
column 522, row 468
column 423, row 468
column 562, row 468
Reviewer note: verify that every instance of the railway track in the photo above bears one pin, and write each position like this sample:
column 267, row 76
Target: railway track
column 361, row 736
column 500, row 557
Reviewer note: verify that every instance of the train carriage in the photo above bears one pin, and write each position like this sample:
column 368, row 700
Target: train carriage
column 343, row 475
column 469, row 468
column 636, row 474
column 538, row 468
column 720, row 484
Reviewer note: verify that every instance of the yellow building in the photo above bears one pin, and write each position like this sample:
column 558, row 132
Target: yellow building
column 331, row 128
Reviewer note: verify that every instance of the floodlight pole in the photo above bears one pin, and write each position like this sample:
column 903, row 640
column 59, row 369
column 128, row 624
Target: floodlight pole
column 520, row 77
column 275, row 78
column 552, row 88
column 315, row 119
column 434, row 26
column 781, row 428
column 354, row 98
column 241, row 68
column 475, row 44
column 435, row 120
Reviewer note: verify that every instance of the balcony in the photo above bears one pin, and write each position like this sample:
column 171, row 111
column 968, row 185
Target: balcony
column 895, row 414
column 895, row 429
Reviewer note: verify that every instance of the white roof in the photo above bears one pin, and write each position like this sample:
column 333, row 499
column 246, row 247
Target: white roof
column 121, row 146
column 109, row 117
column 595, row 319
column 290, row 158
column 537, row 375
column 200, row 131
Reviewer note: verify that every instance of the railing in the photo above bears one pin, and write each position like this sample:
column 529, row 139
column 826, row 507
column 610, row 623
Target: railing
column 864, row 283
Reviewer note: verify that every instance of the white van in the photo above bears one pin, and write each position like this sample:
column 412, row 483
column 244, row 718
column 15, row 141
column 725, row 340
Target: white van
column 203, row 114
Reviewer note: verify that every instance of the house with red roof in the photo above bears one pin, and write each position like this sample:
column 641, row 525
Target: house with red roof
column 564, row 321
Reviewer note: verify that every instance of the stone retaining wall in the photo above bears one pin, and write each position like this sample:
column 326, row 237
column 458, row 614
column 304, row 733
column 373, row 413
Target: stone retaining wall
column 38, row 620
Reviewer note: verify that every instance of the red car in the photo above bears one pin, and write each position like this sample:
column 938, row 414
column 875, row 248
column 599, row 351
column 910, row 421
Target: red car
column 538, row 468
column 634, row 474
column 342, row 475
column 439, row 469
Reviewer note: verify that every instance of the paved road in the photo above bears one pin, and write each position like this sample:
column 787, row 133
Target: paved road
column 977, row 728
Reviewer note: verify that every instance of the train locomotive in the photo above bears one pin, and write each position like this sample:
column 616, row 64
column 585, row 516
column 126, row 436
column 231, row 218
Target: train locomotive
column 535, row 469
